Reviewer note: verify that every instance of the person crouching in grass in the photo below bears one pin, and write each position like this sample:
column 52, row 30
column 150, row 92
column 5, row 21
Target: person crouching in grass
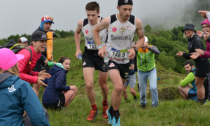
column 57, row 94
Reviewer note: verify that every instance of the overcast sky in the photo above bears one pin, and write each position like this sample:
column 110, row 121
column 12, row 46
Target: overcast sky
column 24, row 16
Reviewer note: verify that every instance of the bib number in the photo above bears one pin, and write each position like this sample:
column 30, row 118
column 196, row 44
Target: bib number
column 91, row 45
column 118, row 54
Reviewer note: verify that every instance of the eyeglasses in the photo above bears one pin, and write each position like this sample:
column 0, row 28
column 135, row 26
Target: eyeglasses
column 204, row 26
column 47, row 18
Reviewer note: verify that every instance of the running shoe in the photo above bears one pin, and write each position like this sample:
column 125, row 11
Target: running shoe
column 116, row 121
column 207, row 103
column 109, row 116
column 92, row 115
column 104, row 114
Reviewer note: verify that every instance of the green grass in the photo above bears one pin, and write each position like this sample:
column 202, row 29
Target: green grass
column 177, row 112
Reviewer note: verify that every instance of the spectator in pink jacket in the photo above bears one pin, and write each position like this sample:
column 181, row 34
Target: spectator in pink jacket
column 26, row 66
column 205, row 34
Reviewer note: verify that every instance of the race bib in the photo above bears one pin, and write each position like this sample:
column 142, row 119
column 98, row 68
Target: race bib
column 92, row 45
column 118, row 54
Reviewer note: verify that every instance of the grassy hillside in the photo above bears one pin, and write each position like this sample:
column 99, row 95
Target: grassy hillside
column 175, row 112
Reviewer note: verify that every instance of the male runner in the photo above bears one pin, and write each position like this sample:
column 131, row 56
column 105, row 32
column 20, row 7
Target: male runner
column 91, row 60
column 121, row 29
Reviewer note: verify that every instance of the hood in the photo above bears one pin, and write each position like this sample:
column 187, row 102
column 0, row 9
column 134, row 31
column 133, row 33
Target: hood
column 4, row 76
column 56, row 69
column 7, row 79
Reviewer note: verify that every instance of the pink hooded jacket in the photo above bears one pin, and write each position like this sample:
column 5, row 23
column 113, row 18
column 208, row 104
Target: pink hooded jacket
column 207, row 51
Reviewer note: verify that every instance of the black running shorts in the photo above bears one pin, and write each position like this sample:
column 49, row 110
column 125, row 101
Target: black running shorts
column 122, row 68
column 92, row 59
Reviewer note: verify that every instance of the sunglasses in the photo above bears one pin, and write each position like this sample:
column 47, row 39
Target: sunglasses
column 204, row 26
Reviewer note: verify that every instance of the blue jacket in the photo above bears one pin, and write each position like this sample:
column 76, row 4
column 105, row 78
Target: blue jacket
column 56, row 85
column 17, row 96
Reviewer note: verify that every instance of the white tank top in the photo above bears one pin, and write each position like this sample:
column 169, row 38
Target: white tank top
column 120, row 38
column 88, row 34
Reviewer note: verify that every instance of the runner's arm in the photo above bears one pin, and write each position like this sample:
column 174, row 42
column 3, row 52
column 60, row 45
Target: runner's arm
column 77, row 37
column 140, row 33
column 188, row 79
column 102, row 25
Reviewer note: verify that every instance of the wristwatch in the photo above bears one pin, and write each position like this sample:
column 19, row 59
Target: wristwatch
column 135, row 49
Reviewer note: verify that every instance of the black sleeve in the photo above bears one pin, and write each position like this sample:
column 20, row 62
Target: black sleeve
column 186, row 55
column 155, row 50
column 43, row 58
column 208, row 39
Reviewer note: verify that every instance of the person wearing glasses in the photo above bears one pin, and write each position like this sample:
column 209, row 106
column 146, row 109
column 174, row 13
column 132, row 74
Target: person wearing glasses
column 195, row 45
column 43, row 63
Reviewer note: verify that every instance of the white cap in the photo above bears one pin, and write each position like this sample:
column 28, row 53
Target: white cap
column 23, row 39
column 146, row 39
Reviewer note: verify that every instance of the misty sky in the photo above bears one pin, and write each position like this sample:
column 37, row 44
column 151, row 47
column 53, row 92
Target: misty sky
column 24, row 16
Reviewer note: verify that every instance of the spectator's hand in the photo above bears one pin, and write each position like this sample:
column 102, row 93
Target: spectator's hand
column 46, row 61
column 102, row 51
column 203, row 13
column 43, row 74
column 199, row 33
column 199, row 51
column 78, row 52
column 205, row 37
column 40, row 81
column 194, row 55
column 132, row 53
column 180, row 53
column 74, row 88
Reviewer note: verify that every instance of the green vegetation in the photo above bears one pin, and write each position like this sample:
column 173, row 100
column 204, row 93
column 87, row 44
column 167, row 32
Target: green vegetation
column 173, row 112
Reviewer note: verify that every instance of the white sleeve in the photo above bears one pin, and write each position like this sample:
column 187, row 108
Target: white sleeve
column 208, row 15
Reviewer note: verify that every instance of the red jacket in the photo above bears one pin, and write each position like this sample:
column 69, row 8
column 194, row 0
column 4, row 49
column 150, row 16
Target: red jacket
column 26, row 72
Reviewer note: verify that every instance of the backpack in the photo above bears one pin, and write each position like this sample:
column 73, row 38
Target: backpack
column 16, row 47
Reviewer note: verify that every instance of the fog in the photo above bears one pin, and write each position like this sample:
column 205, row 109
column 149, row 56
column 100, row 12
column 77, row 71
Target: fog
column 24, row 16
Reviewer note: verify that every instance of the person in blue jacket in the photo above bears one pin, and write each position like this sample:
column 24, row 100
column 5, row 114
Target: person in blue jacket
column 17, row 95
column 57, row 94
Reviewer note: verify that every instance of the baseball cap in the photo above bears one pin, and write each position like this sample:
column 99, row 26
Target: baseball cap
column 47, row 19
column 8, row 58
column 38, row 36
column 23, row 40
column 125, row 2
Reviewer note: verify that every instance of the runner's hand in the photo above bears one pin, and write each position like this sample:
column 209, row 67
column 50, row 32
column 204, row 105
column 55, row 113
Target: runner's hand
column 74, row 88
column 180, row 53
column 102, row 51
column 43, row 74
column 40, row 81
column 203, row 13
column 132, row 53
column 77, row 53
column 199, row 51
column 194, row 55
